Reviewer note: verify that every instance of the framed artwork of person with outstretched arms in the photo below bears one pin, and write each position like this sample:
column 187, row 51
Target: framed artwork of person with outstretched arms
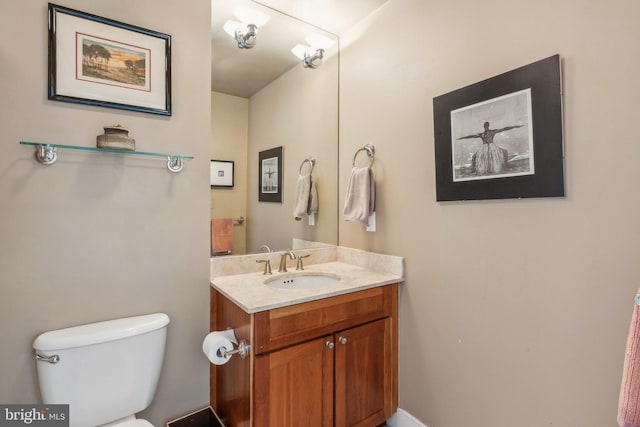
column 502, row 137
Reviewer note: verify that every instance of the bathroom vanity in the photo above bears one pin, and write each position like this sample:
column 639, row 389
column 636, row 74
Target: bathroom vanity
column 324, row 356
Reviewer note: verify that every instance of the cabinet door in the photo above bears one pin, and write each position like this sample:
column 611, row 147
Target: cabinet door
column 363, row 375
column 294, row 386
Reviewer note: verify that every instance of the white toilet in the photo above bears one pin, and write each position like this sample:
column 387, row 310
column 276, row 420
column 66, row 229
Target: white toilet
column 106, row 371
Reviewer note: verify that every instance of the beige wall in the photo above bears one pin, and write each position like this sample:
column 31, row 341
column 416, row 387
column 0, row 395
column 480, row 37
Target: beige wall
column 229, row 140
column 299, row 112
column 514, row 312
column 96, row 237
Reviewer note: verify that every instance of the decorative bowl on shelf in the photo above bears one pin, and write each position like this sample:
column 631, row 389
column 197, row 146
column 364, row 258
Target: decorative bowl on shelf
column 116, row 138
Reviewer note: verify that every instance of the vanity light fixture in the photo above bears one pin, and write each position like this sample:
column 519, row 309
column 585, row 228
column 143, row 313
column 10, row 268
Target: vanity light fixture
column 245, row 33
column 313, row 61
column 247, row 40
column 312, row 54
column 310, row 59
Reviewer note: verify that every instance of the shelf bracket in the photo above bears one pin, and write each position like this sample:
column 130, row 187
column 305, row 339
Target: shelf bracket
column 174, row 163
column 46, row 154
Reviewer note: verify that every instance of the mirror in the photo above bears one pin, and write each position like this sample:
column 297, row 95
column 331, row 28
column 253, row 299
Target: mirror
column 263, row 98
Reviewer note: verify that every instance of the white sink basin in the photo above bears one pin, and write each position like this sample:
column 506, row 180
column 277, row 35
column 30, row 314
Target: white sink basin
column 301, row 280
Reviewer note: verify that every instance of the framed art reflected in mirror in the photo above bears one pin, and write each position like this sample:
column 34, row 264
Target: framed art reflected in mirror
column 270, row 175
column 222, row 173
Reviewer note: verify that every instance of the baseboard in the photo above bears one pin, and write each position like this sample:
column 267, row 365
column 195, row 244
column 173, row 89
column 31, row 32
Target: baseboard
column 404, row 419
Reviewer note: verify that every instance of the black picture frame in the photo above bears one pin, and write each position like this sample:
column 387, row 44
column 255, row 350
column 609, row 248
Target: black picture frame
column 102, row 62
column 270, row 175
column 523, row 110
column 222, row 173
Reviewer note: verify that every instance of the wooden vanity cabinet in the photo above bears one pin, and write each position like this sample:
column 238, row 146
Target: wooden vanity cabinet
column 294, row 386
column 365, row 369
column 331, row 362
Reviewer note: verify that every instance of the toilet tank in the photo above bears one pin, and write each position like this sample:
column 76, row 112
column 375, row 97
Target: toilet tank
column 105, row 371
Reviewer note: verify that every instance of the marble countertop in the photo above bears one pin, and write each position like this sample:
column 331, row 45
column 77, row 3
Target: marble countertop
column 250, row 293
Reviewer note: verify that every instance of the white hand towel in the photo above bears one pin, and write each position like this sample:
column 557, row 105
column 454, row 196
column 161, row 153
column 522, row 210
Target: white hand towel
column 303, row 192
column 313, row 198
column 360, row 200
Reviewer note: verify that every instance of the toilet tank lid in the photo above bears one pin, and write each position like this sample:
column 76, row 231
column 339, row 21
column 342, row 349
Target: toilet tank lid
column 94, row 333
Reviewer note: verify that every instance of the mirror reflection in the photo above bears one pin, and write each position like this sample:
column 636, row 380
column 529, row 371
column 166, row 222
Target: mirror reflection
column 274, row 84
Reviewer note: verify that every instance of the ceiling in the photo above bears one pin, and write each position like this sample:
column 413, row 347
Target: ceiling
column 243, row 72
column 334, row 16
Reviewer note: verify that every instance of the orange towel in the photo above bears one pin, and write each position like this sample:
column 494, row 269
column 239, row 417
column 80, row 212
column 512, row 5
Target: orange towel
column 629, row 403
column 221, row 236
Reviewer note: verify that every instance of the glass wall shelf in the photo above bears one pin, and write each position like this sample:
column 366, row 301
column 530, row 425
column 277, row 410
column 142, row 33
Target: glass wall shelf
column 47, row 154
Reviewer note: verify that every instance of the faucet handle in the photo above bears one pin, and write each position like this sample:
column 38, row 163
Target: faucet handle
column 267, row 265
column 299, row 266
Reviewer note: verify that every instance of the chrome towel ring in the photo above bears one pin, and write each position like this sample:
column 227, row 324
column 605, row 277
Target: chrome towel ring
column 312, row 163
column 370, row 150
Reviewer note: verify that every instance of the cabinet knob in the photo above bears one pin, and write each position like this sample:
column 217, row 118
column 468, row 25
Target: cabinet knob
column 342, row 340
column 329, row 344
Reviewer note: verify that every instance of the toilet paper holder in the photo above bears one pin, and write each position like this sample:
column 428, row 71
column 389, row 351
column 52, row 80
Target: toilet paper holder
column 242, row 350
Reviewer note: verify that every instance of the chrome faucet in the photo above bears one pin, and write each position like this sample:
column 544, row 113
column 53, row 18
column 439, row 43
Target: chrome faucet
column 283, row 260
column 265, row 248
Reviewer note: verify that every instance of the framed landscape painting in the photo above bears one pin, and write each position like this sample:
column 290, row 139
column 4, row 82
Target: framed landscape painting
column 99, row 61
column 502, row 137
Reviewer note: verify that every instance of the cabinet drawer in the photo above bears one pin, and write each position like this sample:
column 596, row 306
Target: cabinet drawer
column 285, row 326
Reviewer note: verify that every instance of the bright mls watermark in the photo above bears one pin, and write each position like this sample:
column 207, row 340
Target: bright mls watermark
column 34, row 415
